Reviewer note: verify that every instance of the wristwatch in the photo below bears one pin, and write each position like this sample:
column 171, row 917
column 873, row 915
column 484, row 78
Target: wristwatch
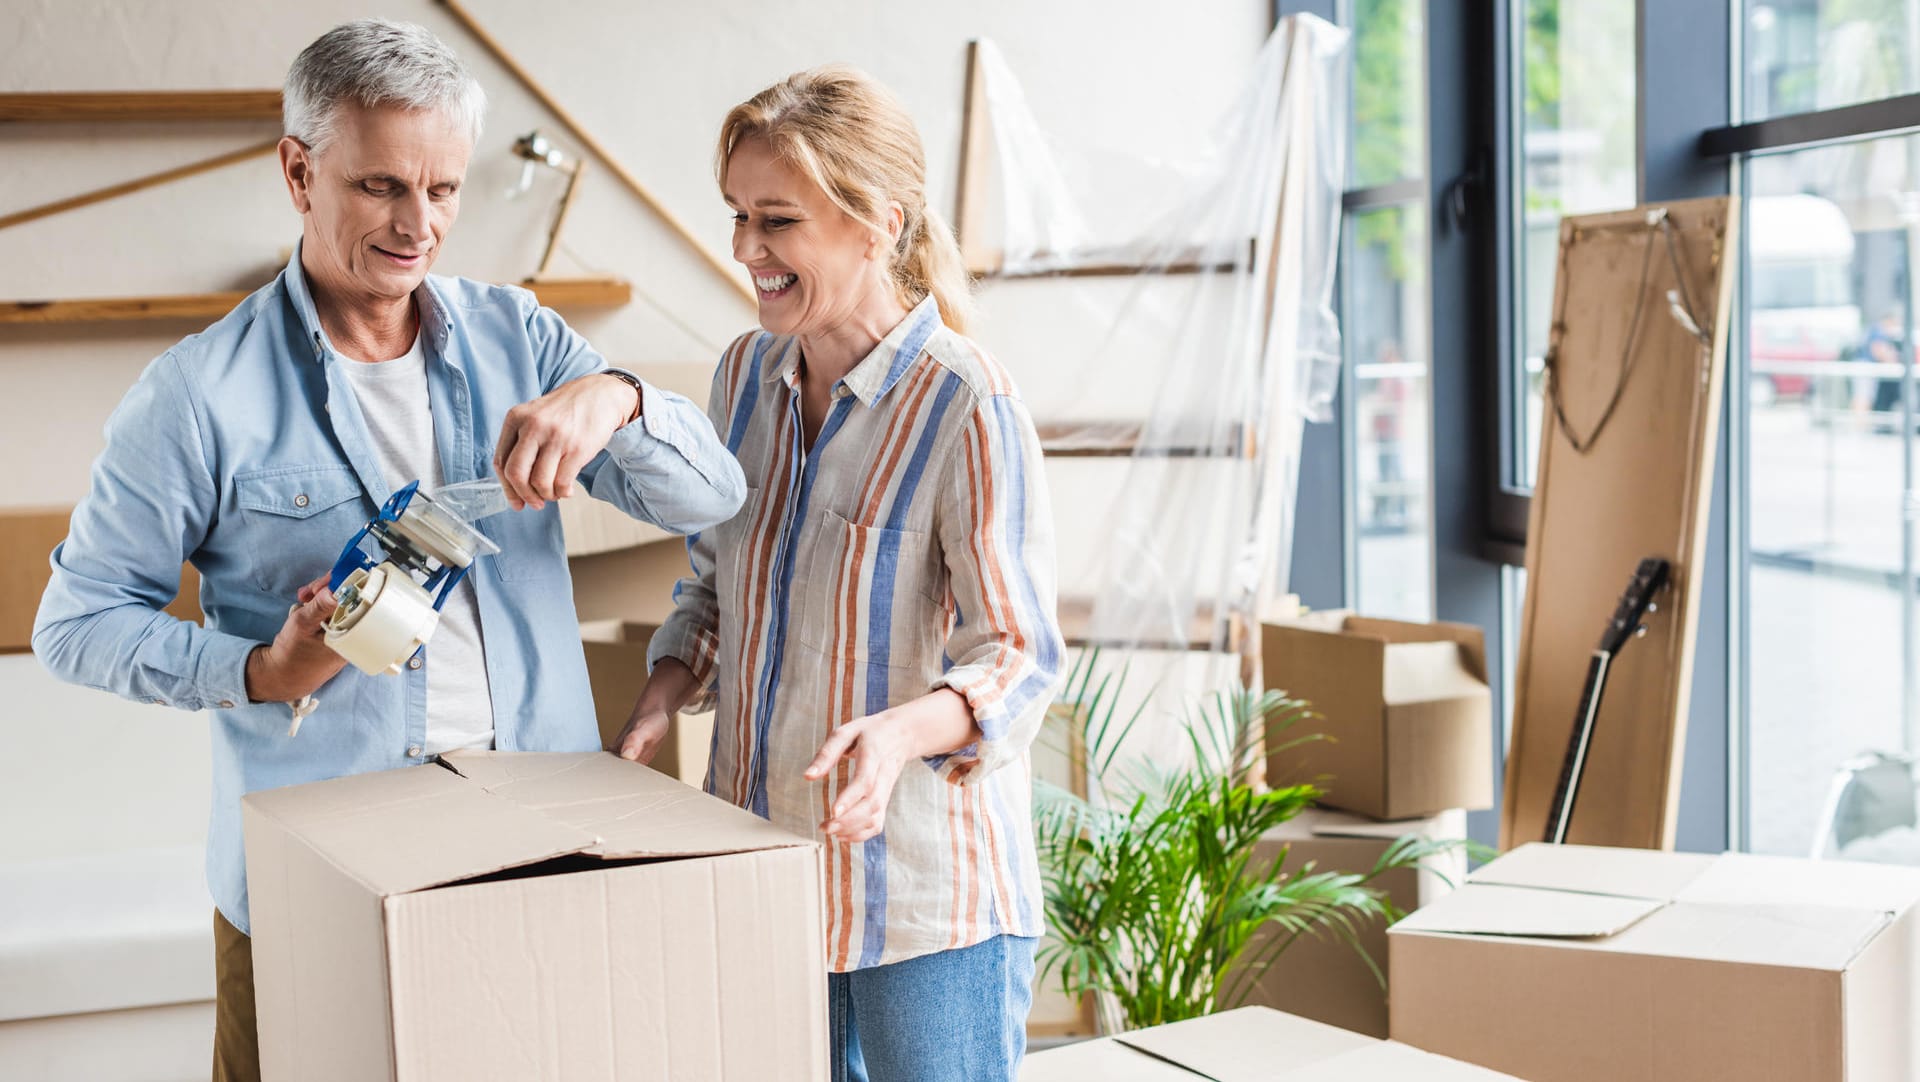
column 639, row 393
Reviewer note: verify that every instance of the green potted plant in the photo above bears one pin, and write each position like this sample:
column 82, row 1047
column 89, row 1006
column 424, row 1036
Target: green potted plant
column 1153, row 893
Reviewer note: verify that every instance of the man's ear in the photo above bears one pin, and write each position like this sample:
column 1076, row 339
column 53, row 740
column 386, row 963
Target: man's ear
column 296, row 167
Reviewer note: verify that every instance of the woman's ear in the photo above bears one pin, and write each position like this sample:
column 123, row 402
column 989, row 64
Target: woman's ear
column 896, row 220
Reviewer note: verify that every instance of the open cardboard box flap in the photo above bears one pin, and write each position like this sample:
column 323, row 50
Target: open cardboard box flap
column 408, row 830
column 1248, row 1044
column 1731, row 908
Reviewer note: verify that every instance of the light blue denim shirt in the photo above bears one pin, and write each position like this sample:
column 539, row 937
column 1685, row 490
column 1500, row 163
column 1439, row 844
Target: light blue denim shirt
column 242, row 449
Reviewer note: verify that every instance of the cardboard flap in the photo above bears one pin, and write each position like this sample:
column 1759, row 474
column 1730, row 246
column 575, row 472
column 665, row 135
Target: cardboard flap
column 628, row 810
column 1742, row 878
column 1103, row 1058
column 417, row 827
column 1483, row 909
column 1803, row 937
column 1470, row 639
column 1419, row 672
column 1592, row 869
column 1245, row 1044
column 1387, row 1061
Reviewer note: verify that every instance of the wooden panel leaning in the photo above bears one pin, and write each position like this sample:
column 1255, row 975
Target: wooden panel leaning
column 1635, row 367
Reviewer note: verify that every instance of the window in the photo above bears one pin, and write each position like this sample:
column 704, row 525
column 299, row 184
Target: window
column 1804, row 55
column 1387, row 405
column 1573, row 150
column 1831, row 443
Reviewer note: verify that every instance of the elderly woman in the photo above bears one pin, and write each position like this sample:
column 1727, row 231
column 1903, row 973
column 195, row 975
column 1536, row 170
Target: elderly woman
column 877, row 624
column 257, row 447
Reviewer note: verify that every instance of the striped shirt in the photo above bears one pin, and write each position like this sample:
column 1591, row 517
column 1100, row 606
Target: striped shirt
column 910, row 549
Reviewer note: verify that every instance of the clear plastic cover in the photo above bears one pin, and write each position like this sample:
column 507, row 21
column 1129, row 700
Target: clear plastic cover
column 1171, row 367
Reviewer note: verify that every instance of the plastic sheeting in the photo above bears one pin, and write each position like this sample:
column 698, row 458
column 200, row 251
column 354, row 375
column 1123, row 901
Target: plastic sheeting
column 1172, row 400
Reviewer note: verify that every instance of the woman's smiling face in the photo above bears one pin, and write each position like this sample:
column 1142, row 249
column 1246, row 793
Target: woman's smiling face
column 813, row 264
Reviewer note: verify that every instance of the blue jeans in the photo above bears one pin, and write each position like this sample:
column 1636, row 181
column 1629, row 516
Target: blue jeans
column 959, row 1015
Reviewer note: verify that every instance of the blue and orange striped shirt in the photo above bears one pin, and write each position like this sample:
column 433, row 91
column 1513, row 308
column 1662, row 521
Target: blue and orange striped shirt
column 910, row 549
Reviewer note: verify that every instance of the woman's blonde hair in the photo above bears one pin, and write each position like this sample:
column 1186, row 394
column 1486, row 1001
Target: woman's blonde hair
column 850, row 136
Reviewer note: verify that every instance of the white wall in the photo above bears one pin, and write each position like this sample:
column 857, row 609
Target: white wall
column 651, row 80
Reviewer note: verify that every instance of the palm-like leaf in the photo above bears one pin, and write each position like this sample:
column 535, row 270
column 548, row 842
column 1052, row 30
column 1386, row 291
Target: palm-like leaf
column 1153, row 893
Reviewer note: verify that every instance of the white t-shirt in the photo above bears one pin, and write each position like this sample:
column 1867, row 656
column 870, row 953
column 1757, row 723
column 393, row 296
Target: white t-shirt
column 393, row 402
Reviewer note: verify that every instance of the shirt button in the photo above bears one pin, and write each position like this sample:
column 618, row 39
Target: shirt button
column 415, row 662
column 842, row 391
column 413, row 752
column 226, row 704
column 301, row 500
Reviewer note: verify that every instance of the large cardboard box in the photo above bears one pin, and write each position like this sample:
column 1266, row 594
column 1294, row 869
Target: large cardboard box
column 617, row 670
column 521, row 916
column 1579, row 964
column 1405, row 708
column 1252, row 1043
column 1323, row 977
column 28, row 537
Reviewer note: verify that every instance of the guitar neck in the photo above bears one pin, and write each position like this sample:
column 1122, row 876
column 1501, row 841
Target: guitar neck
column 1560, row 812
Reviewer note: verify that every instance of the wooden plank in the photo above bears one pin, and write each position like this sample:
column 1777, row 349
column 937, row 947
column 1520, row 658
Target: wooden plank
column 205, row 307
column 570, row 293
column 1121, row 439
column 99, row 106
column 1076, row 618
column 1107, row 270
column 581, row 292
column 971, row 190
column 151, row 180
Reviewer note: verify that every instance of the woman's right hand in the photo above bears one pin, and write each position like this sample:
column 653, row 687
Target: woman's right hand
column 670, row 686
column 640, row 741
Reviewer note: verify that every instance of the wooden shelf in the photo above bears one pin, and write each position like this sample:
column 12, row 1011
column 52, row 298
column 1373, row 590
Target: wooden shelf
column 581, row 292
column 571, row 293
column 1077, row 612
column 1121, row 439
column 96, row 106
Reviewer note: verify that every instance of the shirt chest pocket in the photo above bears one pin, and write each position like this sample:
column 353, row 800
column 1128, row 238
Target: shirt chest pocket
column 873, row 593
column 294, row 520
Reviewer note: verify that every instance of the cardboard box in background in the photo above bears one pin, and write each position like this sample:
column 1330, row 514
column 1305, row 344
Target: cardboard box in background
column 633, row 584
column 1252, row 1043
column 617, row 668
column 1565, row 963
column 28, row 537
column 1321, row 977
column 516, row 916
column 1405, row 707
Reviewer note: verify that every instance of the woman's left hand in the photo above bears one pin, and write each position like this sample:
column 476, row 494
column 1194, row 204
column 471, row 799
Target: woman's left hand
column 879, row 745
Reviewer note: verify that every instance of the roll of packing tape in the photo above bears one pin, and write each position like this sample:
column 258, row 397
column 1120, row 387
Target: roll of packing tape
column 383, row 617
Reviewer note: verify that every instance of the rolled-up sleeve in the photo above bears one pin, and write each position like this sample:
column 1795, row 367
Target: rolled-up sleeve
column 996, row 531
column 147, row 509
column 691, row 635
column 668, row 466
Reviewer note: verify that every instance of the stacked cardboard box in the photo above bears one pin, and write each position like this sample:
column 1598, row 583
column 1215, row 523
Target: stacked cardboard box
column 1401, row 743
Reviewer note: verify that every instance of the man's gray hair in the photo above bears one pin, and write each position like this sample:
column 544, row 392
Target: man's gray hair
column 375, row 63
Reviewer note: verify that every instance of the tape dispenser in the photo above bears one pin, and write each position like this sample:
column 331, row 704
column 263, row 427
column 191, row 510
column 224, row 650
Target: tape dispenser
column 389, row 600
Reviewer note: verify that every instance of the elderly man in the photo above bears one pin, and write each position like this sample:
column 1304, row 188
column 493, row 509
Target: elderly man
column 256, row 448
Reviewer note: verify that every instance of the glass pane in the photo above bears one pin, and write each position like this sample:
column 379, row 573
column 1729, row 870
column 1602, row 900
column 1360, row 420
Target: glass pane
column 1389, row 88
column 1386, row 329
column 1818, row 54
column 1576, row 155
column 1831, row 635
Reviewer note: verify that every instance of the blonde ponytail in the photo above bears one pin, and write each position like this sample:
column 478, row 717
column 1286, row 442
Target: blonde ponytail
column 854, row 139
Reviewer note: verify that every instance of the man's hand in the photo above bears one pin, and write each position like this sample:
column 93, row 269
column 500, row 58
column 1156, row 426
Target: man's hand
column 298, row 660
column 546, row 442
